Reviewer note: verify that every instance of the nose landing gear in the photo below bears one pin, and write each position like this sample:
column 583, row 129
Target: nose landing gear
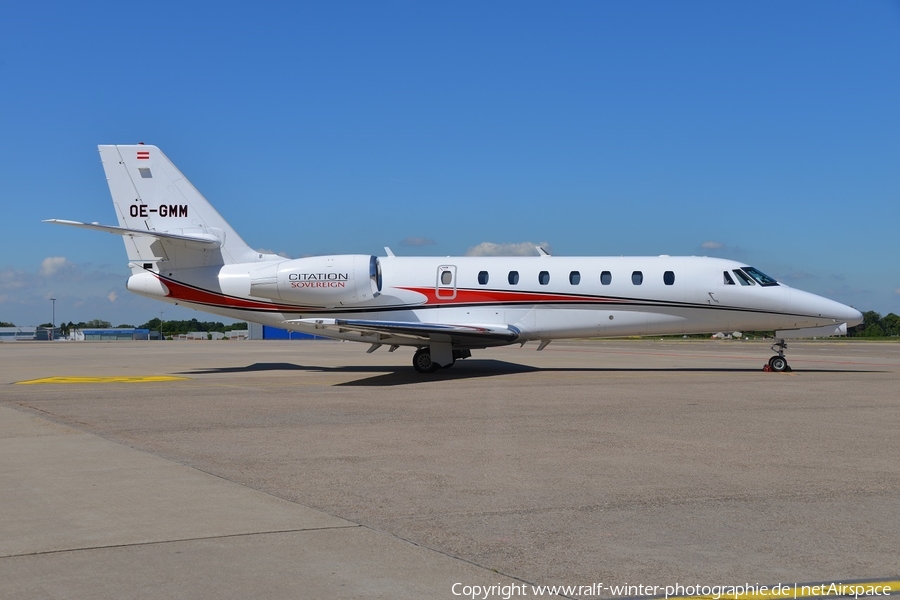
column 778, row 363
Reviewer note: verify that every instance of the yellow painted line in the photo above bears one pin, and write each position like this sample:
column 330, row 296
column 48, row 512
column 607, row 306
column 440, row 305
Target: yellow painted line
column 871, row 590
column 114, row 379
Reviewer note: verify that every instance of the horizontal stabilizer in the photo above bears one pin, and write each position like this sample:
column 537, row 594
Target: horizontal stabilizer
column 417, row 331
column 203, row 241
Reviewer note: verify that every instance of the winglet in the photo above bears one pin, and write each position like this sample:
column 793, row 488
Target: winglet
column 542, row 252
column 389, row 251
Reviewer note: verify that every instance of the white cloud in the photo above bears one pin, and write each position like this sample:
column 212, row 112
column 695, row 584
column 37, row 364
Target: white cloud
column 113, row 296
column 721, row 249
column 54, row 264
column 418, row 241
column 13, row 279
column 897, row 291
column 846, row 290
column 798, row 276
column 508, row 249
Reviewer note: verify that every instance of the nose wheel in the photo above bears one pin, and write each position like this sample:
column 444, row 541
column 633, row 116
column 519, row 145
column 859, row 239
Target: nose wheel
column 778, row 363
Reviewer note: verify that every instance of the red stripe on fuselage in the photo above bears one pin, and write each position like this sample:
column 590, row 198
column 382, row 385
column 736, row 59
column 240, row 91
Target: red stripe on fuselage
column 464, row 296
column 187, row 293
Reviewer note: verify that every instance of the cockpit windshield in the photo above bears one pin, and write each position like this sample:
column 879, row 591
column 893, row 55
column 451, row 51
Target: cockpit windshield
column 760, row 277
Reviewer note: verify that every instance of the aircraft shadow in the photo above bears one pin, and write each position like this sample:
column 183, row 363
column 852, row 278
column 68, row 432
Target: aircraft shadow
column 473, row 369
column 248, row 369
column 396, row 376
column 491, row 368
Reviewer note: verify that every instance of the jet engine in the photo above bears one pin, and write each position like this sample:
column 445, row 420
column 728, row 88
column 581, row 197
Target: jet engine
column 327, row 281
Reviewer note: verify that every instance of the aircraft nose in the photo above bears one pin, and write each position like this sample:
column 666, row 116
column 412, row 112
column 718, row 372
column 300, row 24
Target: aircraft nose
column 854, row 317
column 812, row 304
column 842, row 312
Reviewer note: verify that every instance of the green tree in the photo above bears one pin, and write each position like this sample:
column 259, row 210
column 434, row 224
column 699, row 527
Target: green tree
column 891, row 324
column 151, row 324
column 870, row 327
column 5, row 324
column 97, row 324
column 870, row 317
column 873, row 330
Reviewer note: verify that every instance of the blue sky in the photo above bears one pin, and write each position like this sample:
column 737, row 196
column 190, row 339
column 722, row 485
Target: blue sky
column 768, row 132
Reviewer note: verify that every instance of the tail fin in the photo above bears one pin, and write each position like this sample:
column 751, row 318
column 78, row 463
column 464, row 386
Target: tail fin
column 150, row 194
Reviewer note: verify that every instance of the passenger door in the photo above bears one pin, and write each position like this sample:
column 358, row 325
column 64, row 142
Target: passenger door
column 445, row 288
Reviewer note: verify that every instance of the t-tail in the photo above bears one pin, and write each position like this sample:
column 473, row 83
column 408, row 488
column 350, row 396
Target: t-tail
column 165, row 222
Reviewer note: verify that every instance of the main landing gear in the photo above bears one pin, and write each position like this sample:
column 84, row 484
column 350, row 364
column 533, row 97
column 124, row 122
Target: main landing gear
column 423, row 364
column 422, row 361
column 778, row 363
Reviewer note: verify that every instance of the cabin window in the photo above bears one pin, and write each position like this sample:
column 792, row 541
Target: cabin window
column 446, row 278
column 574, row 278
column 483, row 277
column 544, row 277
column 637, row 278
column 513, row 277
column 728, row 279
column 669, row 278
column 743, row 277
column 605, row 277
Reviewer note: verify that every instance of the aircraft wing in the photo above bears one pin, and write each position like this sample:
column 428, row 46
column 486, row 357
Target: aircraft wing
column 205, row 241
column 416, row 333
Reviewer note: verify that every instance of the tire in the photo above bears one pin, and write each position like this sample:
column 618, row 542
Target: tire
column 422, row 361
column 778, row 364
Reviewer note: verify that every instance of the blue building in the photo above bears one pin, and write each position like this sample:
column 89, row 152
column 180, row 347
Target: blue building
column 267, row 332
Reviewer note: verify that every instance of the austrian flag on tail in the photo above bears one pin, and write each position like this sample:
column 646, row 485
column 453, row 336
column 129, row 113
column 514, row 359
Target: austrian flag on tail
column 143, row 154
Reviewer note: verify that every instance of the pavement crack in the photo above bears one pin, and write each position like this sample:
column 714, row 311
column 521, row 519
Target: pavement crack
column 177, row 540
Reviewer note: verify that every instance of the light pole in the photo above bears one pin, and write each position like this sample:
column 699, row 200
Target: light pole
column 160, row 325
column 53, row 320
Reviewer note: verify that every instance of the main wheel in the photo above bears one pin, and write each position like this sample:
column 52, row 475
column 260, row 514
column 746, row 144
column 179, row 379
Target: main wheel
column 422, row 361
column 778, row 364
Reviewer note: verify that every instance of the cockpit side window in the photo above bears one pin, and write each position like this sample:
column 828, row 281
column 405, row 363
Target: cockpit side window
column 743, row 277
column 760, row 277
column 728, row 279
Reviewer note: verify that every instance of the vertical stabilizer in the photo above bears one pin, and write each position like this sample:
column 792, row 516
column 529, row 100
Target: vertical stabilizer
column 150, row 193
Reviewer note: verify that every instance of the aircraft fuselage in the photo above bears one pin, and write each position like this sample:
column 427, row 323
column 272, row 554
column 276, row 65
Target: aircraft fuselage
column 543, row 297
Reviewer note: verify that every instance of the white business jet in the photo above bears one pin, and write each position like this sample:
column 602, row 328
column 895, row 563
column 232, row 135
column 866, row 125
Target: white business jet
column 182, row 251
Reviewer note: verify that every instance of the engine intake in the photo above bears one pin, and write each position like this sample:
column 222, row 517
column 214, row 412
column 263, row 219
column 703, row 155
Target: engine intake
column 327, row 281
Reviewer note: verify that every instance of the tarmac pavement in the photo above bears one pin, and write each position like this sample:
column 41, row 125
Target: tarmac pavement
column 312, row 469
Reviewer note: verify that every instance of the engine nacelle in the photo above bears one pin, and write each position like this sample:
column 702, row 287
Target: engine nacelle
column 319, row 280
